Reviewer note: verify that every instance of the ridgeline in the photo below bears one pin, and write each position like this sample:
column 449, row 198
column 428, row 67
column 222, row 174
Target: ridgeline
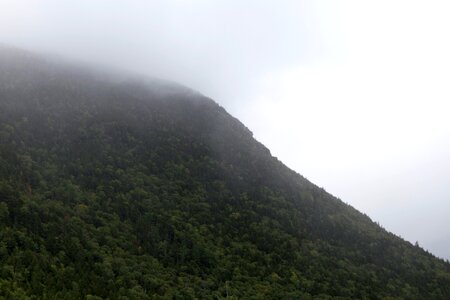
column 115, row 188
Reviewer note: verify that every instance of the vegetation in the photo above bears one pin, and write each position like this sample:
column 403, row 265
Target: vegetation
column 113, row 189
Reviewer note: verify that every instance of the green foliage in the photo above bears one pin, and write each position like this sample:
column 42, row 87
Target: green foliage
column 125, row 191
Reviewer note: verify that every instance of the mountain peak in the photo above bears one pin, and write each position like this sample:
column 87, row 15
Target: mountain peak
column 139, row 189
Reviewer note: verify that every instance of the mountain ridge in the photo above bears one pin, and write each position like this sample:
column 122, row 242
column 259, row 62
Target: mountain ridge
column 128, row 189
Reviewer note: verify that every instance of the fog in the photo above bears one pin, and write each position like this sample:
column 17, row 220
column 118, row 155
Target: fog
column 353, row 95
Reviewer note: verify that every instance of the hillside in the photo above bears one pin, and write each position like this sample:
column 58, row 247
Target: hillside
column 115, row 188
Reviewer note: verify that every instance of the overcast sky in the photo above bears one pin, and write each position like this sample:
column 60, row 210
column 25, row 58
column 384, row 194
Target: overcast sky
column 354, row 95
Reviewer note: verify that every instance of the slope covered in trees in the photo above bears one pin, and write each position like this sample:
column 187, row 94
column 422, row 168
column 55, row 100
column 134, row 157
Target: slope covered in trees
column 121, row 189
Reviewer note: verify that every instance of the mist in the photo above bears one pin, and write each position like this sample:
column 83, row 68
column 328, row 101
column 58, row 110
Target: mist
column 354, row 96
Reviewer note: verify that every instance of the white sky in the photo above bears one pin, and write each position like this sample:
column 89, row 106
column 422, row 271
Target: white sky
column 354, row 95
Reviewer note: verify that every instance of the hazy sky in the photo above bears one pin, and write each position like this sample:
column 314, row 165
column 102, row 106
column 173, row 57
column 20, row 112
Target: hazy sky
column 354, row 95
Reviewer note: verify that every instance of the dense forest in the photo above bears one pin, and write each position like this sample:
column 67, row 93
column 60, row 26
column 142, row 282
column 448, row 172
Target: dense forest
column 117, row 188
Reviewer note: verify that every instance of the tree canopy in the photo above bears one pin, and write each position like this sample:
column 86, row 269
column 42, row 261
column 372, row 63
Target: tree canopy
column 117, row 189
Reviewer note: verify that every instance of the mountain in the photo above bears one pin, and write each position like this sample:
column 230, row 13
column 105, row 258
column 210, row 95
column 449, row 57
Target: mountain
column 115, row 187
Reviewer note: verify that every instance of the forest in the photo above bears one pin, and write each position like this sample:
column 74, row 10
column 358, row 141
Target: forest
column 142, row 189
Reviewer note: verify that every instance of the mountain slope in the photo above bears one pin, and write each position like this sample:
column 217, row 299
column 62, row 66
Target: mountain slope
column 124, row 189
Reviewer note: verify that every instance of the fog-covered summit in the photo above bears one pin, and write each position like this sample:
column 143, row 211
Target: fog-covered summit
column 18, row 66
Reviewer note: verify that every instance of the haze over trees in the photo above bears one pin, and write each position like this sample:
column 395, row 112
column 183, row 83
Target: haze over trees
column 141, row 189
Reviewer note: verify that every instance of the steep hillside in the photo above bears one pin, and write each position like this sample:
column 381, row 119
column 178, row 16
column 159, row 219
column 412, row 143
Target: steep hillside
column 128, row 189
